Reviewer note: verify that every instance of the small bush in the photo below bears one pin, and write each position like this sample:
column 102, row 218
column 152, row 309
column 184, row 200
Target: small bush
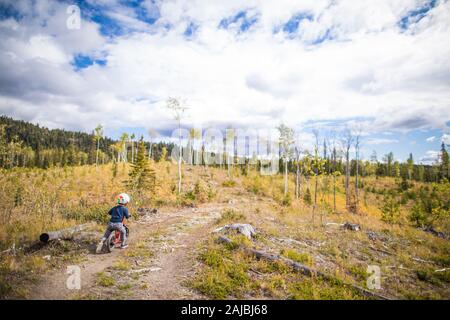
column 314, row 289
column 230, row 215
column 307, row 197
column 229, row 183
column 304, row 258
column 97, row 213
column 121, row 265
column 287, row 200
column 105, row 280
column 223, row 276
column 390, row 209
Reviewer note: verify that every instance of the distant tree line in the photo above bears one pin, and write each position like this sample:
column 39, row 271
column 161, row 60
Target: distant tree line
column 387, row 167
column 23, row 144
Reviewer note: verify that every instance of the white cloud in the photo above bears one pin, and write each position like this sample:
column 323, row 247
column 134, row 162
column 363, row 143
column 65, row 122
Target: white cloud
column 430, row 157
column 446, row 138
column 431, row 139
column 377, row 141
column 398, row 80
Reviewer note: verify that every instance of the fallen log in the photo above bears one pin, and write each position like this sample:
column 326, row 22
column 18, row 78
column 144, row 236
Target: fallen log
column 381, row 250
column 302, row 268
column 63, row 234
column 351, row 226
column 434, row 232
column 143, row 270
column 345, row 225
column 421, row 260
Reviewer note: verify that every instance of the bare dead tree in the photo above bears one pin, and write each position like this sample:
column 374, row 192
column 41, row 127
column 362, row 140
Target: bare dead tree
column 297, row 172
column 347, row 142
column 316, row 170
column 357, row 149
column 178, row 110
column 286, row 139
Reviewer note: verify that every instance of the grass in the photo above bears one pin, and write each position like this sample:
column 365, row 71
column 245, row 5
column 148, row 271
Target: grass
column 139, row 250
column 224, row 274
column 315, row 289
column 230, row 216
column 125, row 286
column 229, row 183
column 104, row 280
column 121, row 265
column 303, row 257
column 79, row 194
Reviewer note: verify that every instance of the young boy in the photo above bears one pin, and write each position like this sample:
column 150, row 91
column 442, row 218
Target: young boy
column 118, row 214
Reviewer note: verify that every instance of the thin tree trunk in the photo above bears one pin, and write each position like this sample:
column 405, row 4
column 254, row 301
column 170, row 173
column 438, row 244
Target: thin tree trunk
column 334, row 193
column 150, row 151
column 315, row 196
column 347, row 178
column 98, row 148
column 137, row 149
column 334, row 180
column 297, row 181
column 179, row 158
column 285, row 178
column 356, row 184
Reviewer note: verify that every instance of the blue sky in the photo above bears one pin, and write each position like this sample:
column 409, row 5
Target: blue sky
column 377, row 67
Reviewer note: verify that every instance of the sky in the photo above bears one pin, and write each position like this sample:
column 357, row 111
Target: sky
column 380, row 68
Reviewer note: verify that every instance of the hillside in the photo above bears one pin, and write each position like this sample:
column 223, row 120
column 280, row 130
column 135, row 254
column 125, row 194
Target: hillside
column 23, row 144
column 174, row 253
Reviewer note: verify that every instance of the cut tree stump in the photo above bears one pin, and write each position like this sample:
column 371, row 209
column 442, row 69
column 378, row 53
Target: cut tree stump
column 302, row 268
column 63, row 234
column 351, row 226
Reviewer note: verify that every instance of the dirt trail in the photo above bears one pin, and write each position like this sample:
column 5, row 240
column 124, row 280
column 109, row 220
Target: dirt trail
column 179, row 233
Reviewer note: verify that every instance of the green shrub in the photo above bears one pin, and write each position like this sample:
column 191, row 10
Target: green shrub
column 230, row 215
column 303, row 258
column 390, row 209
column 287, row 200
column 307, row 197
column 97, row 213
column 229, row 183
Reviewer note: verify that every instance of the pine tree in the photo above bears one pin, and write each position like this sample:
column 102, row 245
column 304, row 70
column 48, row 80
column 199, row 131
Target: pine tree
column 410, row 165
column 390, row 209
column 307, row 197
column 444, row 162
column 142, row 178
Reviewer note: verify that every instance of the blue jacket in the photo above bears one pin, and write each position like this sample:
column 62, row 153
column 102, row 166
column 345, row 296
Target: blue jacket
column 117, row 213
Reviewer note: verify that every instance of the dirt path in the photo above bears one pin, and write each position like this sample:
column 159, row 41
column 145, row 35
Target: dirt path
column 171, row 236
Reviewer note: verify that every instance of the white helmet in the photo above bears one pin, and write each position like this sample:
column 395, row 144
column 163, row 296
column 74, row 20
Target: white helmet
column 123, row 198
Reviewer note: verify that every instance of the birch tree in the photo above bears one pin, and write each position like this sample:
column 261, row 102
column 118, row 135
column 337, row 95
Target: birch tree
column 316, row 170
column 178, row 110
column 152, row 134
column 357, row 150
column 98, row 136
column 123, row 140
column 347, row 142
column 229, row 145
column 286, row 139
column 132, row 146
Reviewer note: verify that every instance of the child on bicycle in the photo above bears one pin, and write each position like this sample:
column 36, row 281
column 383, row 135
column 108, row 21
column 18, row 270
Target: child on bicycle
column 118, row 214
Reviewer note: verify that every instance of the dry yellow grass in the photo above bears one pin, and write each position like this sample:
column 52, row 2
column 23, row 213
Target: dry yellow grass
column 38, row 200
